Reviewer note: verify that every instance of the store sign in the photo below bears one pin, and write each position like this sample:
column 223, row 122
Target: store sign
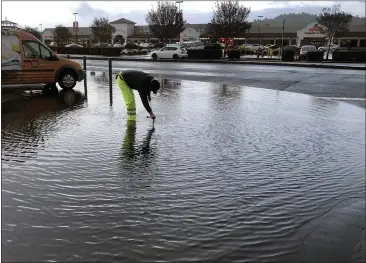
column 314, row 30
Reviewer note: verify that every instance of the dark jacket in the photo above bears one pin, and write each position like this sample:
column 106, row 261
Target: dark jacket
column 140, row 81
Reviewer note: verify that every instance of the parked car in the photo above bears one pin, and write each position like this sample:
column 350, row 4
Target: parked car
column 213, row 46
column 125, row 52
column 274, row 46
column 53, row 44
column 170, row 51
column 102, row 45
column 305, row 49
column 255, row 47
column 73, row 45
column 131, row 45
column 146, row 45
column 192, row 45
column 333, row 48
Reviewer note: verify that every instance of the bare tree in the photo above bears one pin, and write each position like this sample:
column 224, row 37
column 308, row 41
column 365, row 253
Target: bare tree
column 61, row 34
column 102, row 29
column 333, row 21
column 229, row 19
column 166, row 21
column 33, row 30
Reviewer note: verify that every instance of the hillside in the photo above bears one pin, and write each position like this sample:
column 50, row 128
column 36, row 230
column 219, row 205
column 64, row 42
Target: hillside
column 301, row 19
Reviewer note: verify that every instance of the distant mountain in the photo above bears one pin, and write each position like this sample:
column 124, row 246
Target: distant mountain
column 302, row 19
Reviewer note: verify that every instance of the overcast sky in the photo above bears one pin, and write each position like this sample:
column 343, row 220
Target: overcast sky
column 49, row 13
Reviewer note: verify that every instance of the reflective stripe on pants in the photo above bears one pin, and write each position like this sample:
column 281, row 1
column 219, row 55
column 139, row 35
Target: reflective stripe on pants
column 128, row 97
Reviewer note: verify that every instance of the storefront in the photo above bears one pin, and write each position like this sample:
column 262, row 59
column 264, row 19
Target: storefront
column 309, row 35
column 189, row 34
column 312, row 34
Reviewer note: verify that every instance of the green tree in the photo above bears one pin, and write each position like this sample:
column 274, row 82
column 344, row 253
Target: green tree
column 102, row 29
column 229, row 19
column 333, row 21
column 34, row 31
column 61, row 34
column 166, row 21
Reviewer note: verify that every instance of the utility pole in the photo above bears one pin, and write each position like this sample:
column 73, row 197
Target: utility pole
column 283, row 29
column 76, row 27
column 259, row 30
column 40, row 25
column 179, row 2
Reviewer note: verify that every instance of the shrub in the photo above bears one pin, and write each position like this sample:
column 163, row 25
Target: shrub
column 131, row 46
column 233, row 54
column 349, row 55
column 95, row 51
column 83, row 51
column 205, row 53
column 288, row 55
column 315, row 56
column 110, row 51
column 245, row 50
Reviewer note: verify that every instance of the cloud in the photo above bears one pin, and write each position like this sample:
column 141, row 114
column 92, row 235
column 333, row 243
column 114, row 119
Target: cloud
column 195, row 12
column 87, row 12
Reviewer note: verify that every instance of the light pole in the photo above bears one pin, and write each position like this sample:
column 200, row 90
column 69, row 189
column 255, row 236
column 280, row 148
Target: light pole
column 179, row 2
column 75, row 29
column 283, row 29
column 40, row 25
column 259, row 30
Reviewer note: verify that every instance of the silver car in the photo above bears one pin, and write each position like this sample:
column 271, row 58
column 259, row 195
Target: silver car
column 305, row 49
column 333, row 48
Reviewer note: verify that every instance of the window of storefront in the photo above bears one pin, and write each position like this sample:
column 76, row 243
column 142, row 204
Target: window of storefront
column 362, row 42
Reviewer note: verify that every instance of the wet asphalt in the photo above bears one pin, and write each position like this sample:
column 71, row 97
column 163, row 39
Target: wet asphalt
column 345, row 85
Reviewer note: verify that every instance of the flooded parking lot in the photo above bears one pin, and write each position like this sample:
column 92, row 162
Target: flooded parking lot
column 229, row 173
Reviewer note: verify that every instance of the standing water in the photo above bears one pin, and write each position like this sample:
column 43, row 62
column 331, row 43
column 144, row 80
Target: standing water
column 229, row 173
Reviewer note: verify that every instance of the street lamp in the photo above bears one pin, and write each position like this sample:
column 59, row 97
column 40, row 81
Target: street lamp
column 259, row 30
column 179, row 2
column 75, row 29
column 283, row 29
column 40, row 25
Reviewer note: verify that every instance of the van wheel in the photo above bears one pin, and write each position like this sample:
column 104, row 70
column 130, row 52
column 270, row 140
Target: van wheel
column 175, row 56
column 67, row 79
column 154, row 56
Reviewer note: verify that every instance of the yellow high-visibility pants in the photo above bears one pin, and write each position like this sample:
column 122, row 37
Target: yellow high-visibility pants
column 128, row 97
column 128, row 144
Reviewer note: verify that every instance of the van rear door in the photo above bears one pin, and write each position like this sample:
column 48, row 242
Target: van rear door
column 11, row 67
column 37, row 64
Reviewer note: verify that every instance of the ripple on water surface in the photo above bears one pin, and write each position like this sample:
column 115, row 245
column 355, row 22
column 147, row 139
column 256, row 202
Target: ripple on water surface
column 228, row 173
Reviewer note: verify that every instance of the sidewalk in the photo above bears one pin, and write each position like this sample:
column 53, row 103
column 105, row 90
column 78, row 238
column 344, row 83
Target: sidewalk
column 338, row 236
column 250, row 61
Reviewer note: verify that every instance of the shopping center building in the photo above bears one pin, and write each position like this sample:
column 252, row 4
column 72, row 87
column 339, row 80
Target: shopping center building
column 259, row 33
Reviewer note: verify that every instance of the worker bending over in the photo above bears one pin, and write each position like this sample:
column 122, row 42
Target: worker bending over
column 143, row 83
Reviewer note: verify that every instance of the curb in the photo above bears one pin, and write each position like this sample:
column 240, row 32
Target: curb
column 232, row 62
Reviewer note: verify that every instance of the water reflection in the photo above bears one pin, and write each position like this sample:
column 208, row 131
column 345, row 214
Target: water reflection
column 328, row 107
column 100, row 78
column 27, row 123
column 131, row 151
